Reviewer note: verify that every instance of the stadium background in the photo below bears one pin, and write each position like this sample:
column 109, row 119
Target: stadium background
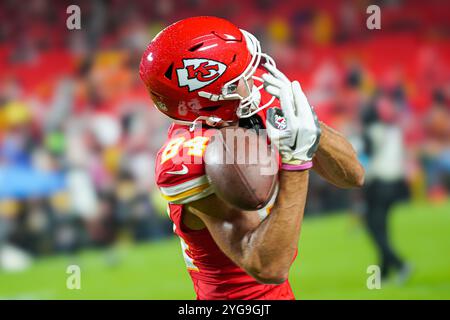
column 78, row 136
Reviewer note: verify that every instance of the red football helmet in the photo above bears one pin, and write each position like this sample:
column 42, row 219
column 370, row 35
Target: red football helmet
column 192, row 68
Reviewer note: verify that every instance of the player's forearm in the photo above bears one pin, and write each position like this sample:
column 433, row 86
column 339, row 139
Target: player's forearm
column 336, row 160
column 271, row 247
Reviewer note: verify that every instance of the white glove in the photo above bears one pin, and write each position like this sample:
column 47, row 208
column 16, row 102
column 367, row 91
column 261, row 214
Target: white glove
column 295, row 129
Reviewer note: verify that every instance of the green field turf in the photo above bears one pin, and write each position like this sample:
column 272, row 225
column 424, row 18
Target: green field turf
column 333, row 257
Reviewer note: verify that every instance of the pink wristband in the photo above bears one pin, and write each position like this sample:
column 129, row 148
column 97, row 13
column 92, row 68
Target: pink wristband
column 297, row 167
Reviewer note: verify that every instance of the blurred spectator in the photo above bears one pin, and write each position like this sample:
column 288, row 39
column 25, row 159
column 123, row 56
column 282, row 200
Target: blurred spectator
column 385, row 178
column 436, row 150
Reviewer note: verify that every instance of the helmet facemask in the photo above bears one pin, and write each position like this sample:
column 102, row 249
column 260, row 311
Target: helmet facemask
column 249, row 104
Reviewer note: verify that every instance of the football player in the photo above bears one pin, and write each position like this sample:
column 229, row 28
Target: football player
column 204, row 72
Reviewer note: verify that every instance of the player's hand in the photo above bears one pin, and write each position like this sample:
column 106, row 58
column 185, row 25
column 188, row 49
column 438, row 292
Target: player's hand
column 295, row 129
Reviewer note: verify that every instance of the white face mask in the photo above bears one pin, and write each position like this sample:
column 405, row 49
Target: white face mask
column 257, row 96
column 249, row 105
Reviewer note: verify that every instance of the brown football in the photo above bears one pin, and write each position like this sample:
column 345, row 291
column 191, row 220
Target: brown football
column 241, row 167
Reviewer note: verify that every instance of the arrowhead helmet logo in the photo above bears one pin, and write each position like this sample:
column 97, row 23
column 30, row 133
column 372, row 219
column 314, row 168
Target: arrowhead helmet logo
column 198, row 73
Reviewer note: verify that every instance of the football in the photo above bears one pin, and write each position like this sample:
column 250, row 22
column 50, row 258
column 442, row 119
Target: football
column 242, row 167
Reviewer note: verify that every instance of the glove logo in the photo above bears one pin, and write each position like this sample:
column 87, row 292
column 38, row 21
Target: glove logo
column 198, row 73
column 276, row 118
column 280, row 122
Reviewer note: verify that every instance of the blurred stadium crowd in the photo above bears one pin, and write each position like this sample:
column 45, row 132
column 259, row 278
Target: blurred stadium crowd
column 78, row 133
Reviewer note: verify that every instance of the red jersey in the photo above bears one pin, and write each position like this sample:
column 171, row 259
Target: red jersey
column 181, row 178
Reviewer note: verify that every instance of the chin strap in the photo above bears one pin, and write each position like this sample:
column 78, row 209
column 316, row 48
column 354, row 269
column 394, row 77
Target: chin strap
column 210, row 121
